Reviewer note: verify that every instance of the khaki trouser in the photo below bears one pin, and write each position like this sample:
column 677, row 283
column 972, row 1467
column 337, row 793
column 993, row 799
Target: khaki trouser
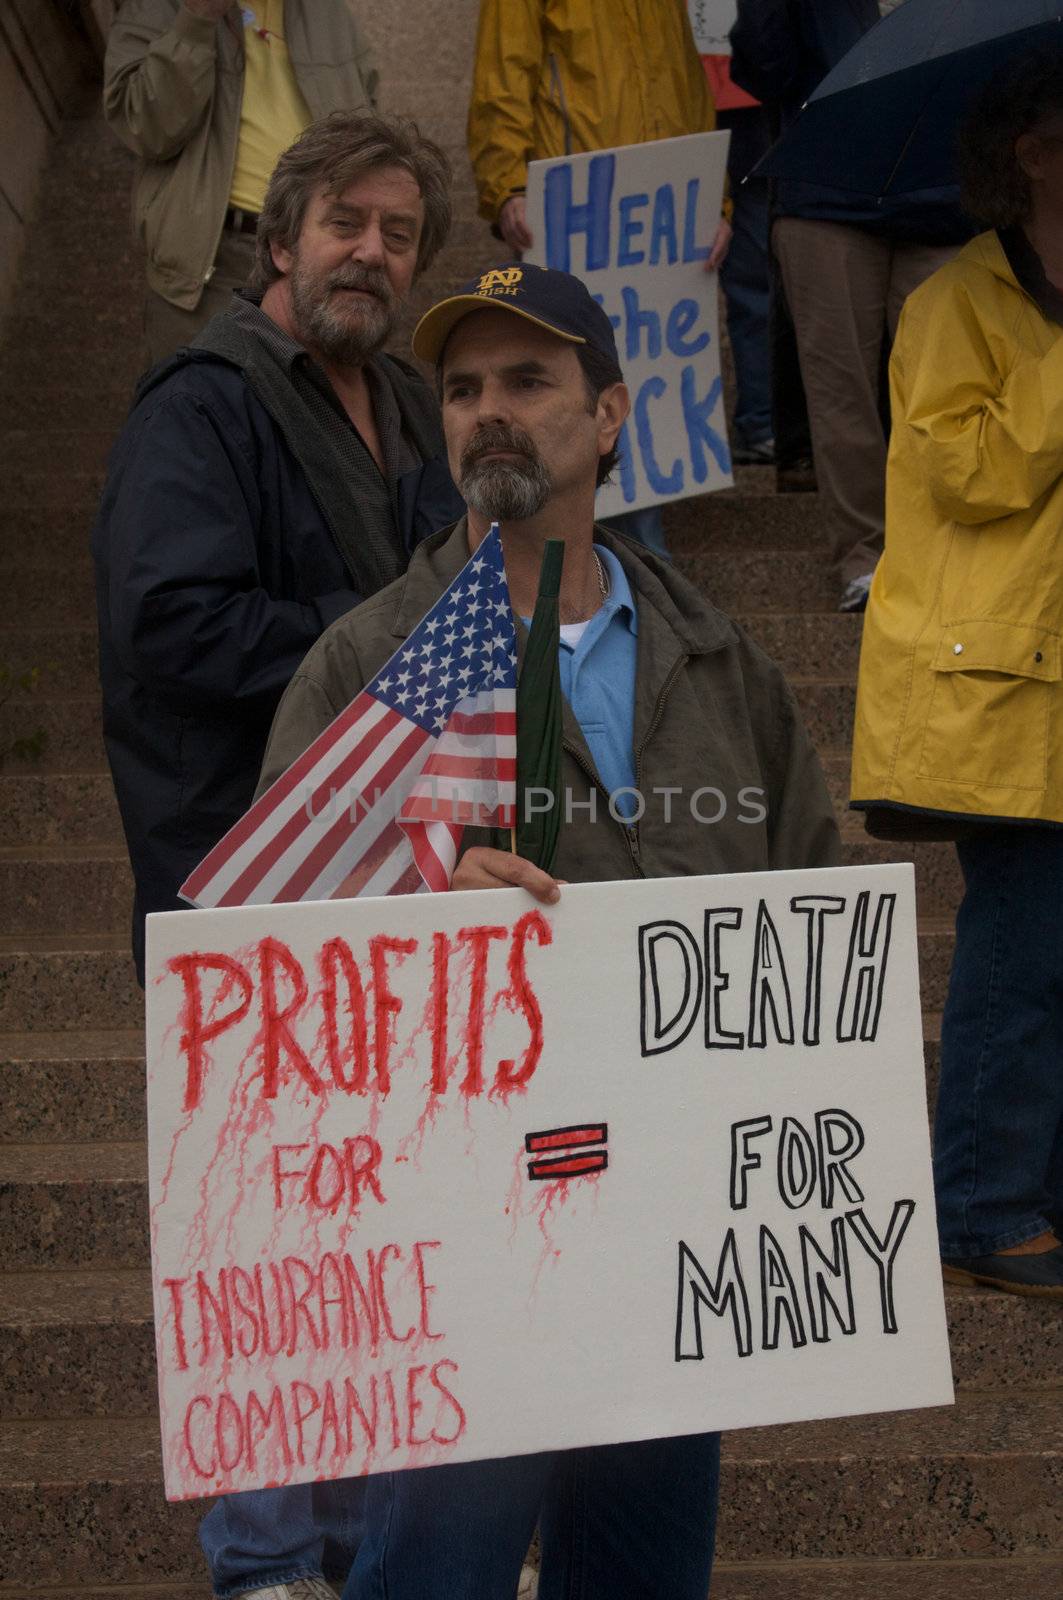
column 167, row 326
column 845, row 289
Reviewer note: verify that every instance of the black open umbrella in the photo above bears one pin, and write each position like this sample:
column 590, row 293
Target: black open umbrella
column 884, row 120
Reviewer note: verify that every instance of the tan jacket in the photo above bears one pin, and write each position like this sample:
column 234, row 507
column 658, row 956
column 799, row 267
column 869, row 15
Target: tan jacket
column 960, row 702
column 173, row 85
column 554, row 77
column 711, row 712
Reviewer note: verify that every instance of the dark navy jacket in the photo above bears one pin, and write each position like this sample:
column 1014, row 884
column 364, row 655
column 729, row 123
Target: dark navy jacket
column 781, row 51
column 215, row 573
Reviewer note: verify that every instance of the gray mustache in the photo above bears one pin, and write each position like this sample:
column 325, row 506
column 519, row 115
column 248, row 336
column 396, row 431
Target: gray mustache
column 369, row 279
column 496, row 439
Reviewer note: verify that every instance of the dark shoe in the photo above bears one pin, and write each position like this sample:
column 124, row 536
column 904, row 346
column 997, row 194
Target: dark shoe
column 1039, row 1275
column 796, row 477
column 761, row 454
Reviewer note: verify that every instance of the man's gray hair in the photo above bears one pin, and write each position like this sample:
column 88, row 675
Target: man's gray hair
column 331, row 153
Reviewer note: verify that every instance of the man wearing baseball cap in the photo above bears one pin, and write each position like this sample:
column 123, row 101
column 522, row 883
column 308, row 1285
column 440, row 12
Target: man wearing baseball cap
column 666, row 702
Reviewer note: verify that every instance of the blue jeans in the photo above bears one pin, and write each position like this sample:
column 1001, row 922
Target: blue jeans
column 269, row 1536
column 746, row 276
column 998, row 1138
column 618, row 1522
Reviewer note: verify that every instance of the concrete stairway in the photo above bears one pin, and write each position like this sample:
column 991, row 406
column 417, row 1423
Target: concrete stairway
column 927, row 1506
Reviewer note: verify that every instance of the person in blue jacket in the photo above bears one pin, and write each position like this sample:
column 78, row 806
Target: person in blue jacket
column 848, row 262
column 271, row 476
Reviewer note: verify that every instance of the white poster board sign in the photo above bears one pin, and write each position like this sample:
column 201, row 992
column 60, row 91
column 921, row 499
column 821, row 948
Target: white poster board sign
column 637, row 225
column 449, row 1177
column 711, row 22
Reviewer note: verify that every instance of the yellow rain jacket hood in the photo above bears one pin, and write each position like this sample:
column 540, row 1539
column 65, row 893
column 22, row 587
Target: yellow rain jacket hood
column 555, row 77
column 960, row 700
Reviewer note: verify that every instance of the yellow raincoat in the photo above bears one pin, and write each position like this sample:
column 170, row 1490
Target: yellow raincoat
column 960, row 701
column 553, row 77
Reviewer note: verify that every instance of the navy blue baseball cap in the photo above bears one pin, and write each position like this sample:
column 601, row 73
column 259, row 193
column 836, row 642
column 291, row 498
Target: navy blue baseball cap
column 551, row 299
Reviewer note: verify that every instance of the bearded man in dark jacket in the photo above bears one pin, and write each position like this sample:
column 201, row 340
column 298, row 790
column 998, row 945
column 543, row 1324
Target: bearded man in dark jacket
column 272, row 475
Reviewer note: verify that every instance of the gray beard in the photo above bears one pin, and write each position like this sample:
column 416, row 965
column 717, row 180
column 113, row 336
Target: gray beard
column 348, row 340
column 506, row 491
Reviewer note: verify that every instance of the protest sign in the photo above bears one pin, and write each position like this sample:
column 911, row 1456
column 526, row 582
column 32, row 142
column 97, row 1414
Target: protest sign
column 711, row 22
column 637, row 225
column 447, row 1177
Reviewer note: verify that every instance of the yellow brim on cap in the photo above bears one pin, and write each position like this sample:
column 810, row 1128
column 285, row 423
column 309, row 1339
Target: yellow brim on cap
column 434, row 328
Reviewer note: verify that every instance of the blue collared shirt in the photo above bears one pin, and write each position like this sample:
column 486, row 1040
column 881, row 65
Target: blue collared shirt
column 598, row 681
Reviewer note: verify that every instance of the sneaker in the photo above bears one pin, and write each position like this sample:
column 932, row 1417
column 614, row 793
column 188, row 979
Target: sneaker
column 1033, row 1275
column 761, row 454
column 854, row 596
column 298, row 1589
column 796, row 477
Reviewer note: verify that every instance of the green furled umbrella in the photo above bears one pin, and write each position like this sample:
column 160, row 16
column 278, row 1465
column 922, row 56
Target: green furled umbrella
column 539, row 718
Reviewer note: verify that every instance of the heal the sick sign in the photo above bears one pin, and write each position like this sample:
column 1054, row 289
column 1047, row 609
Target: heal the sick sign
column 449, row 1177
column 637, row 225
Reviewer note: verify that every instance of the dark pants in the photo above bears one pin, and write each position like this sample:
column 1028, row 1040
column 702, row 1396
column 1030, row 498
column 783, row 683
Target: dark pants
column 618, row 1522
column 998, row 1141
column 746, row 276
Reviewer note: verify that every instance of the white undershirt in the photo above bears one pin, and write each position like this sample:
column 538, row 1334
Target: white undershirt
column 572, row 632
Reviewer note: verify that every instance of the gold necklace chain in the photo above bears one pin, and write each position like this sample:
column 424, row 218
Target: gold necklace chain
column 603, row 582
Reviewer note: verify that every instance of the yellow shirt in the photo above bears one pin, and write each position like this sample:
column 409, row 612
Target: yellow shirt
column 273, row 113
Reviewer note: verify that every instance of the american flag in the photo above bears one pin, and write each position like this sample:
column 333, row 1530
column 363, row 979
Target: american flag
column 377, row 803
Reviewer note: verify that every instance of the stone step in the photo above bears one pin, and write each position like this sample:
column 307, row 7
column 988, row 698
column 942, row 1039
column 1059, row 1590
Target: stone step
column 978, row 1479
column 67, row 658
column 31, row 598
column 68, row 982
column 827, row 709
column 73, row 1087
column 71, row 730
column 733, row 519
column 938, row 879
column 1005, row 1579
column 75, row 1205
column 936, row 941
column 761, row 580
column 79, row 1343
column 59, row 808
column 82, row 450
column 816, row 645
column 51, row 497
column 55, row 405
column 65, row 888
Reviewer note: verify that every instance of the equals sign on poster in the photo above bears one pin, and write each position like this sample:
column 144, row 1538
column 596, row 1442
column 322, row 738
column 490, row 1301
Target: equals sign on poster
column 566, row 1152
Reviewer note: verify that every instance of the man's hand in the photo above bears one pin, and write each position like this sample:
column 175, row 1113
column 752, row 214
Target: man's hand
column 513, row 224
column 483, row 868
column 720, row 246
column 209, row 10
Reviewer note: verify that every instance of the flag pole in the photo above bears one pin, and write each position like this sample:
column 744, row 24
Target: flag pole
column 539, row 714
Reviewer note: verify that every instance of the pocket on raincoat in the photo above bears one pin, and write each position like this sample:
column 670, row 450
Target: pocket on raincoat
column 987, row 722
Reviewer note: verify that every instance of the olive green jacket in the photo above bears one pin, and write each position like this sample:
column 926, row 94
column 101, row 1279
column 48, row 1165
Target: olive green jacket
column 172, row 91
column 712, row 714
